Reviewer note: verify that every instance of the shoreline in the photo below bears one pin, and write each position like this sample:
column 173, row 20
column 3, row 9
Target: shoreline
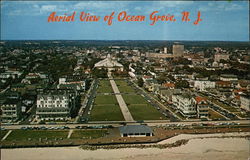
column 175, row 141
column 197, row 148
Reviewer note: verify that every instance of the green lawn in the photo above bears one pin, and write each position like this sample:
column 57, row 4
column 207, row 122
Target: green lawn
column 104, row 87
column 106, row 112
column 145, row 112
column 86, row 134
column 134, row 99
column 105, row 99
column 124, row 87
column 2, row 134
column 24, row 135
column 214, row 115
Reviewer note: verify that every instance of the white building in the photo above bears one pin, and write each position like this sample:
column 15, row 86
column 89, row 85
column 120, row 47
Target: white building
column 228, row 77
column 72, row 82
column 11, row 110
column 202, row 85
column 109, row 64
column 185, row 103
column 245, row 102
column 55, row 105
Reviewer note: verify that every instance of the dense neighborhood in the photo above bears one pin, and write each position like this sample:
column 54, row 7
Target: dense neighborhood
column 92, row 92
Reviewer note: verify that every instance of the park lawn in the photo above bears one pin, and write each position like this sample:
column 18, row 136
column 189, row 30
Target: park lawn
column 104, row 87
column 105, row 99
column 145, row 112
column 214, row 115
column 24, row 135
column 86, row 134
column 2, row 134
column 134, row 99
column 106, row 112
column 124, row 87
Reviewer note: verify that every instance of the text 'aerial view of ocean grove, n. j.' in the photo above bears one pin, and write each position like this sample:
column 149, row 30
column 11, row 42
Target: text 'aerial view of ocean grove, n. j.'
column 130, row 90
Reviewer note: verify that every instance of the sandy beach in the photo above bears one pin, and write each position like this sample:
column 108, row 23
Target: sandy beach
column 197, row 148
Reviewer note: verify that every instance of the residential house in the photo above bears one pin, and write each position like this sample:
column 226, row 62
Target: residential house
column 185, row 103
column 202, row 107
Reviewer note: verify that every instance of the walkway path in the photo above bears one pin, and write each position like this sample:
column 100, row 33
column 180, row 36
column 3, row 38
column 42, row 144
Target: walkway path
column 126, row 114
column 70, row 133
column 6, row 135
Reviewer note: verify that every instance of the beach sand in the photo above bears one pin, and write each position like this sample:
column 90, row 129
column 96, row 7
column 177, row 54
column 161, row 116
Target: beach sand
column 195, row 149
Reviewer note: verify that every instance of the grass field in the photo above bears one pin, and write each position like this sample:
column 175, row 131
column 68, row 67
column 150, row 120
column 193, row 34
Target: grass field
column 104, row 87
column 105, row 99
column 134, row 99
column 24, row 135
column 124, row 87
column 214, row 115
column 145, row 112
column 106, row 112
column 2, row 134
column 86, row 134
column 106, row 108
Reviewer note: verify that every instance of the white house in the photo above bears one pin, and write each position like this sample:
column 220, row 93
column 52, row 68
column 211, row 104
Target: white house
column 202, row 85
column 185, row 103
column 245, row 102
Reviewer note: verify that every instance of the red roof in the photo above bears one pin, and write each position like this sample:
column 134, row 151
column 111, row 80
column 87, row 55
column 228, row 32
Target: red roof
column 223, row 83
column 198, row 99
column 168, row 85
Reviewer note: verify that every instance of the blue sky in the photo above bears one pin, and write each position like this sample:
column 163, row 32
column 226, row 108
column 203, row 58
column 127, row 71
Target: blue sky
column 221, row 20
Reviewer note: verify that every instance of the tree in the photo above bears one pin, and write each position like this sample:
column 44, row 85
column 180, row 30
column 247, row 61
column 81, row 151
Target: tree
column 182, row 84
column 140, row 82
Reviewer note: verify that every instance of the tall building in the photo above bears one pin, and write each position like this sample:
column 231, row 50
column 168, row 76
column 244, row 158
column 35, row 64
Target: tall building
column 178, row 50
column 165, row 50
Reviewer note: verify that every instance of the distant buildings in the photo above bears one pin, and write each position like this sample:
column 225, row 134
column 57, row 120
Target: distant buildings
column 221, row 56
column 245, row 102
column 178, row 50
column 11, row 110
column 72, row 82
column 202, row 85
column 56, row 104
column 109, row 64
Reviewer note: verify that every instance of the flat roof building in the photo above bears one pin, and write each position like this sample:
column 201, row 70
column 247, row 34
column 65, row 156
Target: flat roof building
column 135, row 131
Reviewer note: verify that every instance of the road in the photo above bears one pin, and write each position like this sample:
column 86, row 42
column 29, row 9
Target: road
column 83, row 114
column 154, row 101
column 116, row 124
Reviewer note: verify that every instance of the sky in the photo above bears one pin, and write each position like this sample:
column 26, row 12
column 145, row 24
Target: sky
column 221, row 20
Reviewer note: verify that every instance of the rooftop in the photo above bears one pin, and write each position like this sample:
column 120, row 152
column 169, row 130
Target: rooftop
column 135, row 129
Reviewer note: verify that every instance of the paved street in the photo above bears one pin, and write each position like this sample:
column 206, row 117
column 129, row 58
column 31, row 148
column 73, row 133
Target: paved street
column 118, row 123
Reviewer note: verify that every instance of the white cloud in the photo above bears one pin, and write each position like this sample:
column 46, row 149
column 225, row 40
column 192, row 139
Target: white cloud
column 221, row 6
